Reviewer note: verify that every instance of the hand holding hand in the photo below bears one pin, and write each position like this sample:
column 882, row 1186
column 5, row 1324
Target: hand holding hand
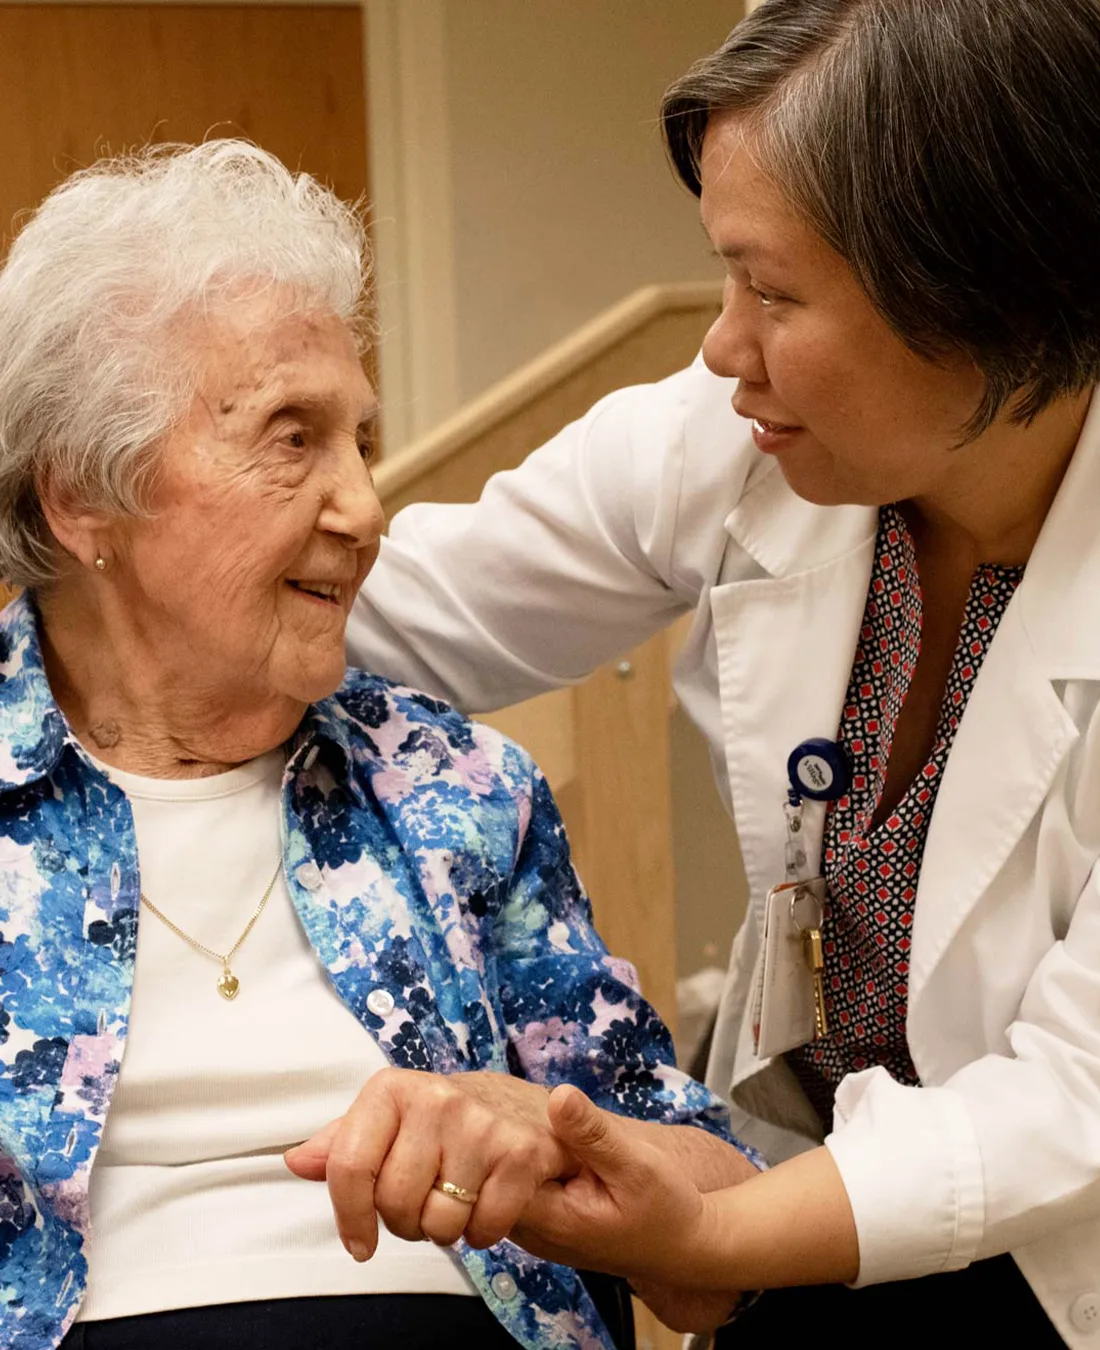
column 487, row 1133
column 629, row 1211
column 633, row 1211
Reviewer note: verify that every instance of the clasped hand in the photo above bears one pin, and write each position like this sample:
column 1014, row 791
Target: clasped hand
column 485, row 1132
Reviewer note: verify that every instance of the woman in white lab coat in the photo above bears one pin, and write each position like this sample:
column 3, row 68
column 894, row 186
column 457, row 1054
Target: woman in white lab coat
column 900, row 564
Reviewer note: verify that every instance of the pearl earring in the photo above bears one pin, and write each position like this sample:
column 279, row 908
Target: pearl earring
column 100, row 563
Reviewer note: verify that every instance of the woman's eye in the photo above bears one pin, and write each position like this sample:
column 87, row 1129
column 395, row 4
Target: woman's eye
column 366, row 448
column 296, row 439
column 766, row 298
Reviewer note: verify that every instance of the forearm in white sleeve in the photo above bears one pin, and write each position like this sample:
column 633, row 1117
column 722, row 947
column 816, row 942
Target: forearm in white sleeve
column 561, row 565
column 1005, row 1152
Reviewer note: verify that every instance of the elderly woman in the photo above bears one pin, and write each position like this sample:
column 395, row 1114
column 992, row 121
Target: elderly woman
column 894, row 652
column 238, row 884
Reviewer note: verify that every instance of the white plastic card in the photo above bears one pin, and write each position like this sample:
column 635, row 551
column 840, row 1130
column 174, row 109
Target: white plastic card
column 783, row 1001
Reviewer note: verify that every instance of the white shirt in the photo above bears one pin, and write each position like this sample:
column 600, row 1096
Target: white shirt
column 191, row 1202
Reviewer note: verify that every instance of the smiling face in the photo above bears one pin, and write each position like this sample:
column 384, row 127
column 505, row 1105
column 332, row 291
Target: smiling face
column 852, row 414
column 265, row 521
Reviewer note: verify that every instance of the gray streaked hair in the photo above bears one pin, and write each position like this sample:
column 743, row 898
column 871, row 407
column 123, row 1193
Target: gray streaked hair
column 949, row 151
column 95, row 365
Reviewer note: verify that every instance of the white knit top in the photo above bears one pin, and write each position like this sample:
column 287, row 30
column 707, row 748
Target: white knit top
column 191, row 1203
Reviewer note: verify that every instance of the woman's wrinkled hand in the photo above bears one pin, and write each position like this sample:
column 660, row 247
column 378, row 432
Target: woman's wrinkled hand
column 486, row 1132
column 628, row 1211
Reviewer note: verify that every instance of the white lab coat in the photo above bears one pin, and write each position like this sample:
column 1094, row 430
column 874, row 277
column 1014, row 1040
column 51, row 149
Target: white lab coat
column 657, row 503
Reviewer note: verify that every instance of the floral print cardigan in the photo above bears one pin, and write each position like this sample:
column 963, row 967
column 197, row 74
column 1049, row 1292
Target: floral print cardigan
column 429, row 868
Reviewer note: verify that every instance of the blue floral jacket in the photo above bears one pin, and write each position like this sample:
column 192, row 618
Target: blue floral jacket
column 429, row 867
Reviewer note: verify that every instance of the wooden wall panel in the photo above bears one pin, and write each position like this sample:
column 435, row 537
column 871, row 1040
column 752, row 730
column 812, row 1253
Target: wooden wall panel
column 656, row 348
column 83, row 80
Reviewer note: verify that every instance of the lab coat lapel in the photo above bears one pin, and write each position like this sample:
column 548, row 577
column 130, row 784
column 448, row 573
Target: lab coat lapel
column 784, row 644
column 1015, row 731
column 1010, row 742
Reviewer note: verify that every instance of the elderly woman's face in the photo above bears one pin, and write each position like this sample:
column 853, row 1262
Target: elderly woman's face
column 266, row 521
column 850, row 412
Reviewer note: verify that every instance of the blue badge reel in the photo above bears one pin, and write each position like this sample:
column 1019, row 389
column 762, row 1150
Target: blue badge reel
column 818, row 769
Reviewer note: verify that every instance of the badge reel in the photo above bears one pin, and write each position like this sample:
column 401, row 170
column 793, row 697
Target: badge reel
column 789, row 997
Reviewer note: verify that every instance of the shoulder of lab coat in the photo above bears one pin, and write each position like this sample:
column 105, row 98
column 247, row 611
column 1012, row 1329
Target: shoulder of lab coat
column 601, row 537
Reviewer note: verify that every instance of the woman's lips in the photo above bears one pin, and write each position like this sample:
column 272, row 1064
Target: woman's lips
column 772, row 437
column 322, row 593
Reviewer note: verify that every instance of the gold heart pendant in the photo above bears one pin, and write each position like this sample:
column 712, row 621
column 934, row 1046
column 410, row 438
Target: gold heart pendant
column 228, row 984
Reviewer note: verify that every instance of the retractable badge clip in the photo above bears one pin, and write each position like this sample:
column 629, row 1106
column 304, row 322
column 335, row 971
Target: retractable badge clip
column 817, row 769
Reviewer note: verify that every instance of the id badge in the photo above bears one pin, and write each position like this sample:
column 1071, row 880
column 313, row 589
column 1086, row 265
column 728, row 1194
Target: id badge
column 786, row 1010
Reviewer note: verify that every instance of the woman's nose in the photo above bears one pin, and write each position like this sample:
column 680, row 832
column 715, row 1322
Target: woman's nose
column 731, row 347
column 352, row 508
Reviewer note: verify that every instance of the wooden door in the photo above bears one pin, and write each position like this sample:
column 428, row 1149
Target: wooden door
column 81, row 81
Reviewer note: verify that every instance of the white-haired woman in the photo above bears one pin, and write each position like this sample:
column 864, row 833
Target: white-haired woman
column 329, row 884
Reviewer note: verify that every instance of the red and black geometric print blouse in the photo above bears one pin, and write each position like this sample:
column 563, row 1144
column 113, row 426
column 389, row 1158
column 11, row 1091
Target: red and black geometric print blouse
column 871, row 873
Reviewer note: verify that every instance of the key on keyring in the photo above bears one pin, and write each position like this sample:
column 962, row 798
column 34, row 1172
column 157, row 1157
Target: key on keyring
column 815, row 959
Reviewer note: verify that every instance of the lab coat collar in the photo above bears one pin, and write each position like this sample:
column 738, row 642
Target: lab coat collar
column 1062, row 581
column 788, row 536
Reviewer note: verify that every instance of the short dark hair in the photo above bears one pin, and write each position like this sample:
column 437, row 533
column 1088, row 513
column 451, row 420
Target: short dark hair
column 949, row 151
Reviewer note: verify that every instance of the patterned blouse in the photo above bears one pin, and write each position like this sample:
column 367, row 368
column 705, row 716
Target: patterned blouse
column 871, row 872
column 430, row 871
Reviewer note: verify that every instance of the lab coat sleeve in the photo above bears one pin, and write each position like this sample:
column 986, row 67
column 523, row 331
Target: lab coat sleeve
column 1005, row 1152
column 562, row 564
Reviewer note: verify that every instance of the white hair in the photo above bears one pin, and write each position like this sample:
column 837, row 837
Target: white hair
column 95, row 369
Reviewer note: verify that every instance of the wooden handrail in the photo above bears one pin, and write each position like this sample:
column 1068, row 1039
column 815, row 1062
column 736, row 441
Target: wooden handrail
column 530, row 381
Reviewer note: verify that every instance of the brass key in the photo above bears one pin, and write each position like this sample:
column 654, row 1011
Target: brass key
column 815, row 959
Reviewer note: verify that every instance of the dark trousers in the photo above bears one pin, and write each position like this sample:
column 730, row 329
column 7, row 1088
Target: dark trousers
column 354, row 1322
column 987, row 1304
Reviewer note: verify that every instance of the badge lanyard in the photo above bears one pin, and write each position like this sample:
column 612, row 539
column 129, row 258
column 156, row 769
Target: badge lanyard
column 819, row 770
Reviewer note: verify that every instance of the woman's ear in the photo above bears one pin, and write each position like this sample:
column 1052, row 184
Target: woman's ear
column 83, row 533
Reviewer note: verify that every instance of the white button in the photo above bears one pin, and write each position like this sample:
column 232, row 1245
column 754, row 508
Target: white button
column 380, row 1002
column 311, row 758
column 309, row 874
column 1085, row 1313
column 504, row 1287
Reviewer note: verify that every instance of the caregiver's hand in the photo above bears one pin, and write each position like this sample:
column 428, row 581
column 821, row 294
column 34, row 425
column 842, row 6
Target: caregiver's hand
column 485, row 1132
column 634, row 1211
column 630, row 1210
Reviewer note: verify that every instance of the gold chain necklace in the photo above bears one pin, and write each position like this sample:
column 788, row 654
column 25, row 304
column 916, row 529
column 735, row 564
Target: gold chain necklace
column 228, row 984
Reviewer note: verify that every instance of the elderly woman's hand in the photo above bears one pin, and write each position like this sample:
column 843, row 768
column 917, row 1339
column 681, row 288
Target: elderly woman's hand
column 406, row 1131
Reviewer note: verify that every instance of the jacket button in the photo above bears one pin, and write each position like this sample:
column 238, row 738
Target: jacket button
column 309, row 875
column 504, row 1287
column 380, row 1002
column 1084, row 1314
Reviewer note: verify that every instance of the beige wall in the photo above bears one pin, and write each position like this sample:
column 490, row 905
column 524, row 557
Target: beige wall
column 520, row 187
column 519, row 180
column 563, row 202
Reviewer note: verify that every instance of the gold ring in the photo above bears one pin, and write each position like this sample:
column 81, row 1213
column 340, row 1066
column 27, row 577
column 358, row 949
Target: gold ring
column 459, row 1193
